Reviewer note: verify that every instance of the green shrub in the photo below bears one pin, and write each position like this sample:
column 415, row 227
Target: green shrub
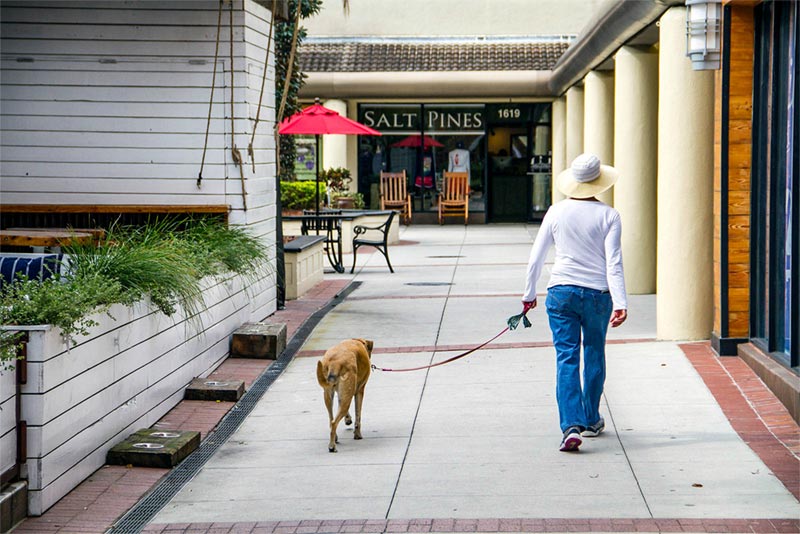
column 63, row 302
column 163, row 260
column 300, row 195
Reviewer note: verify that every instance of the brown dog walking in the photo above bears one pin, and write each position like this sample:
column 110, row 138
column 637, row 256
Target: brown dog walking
column 344, row 370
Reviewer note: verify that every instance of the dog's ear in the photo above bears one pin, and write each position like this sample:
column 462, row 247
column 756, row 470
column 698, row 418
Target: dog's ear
column 366, row 342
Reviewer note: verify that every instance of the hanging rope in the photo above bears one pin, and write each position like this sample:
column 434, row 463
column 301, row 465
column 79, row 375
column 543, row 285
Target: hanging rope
column 237, row 156
column 285, row 94
column 250, row 150
column 211, row 100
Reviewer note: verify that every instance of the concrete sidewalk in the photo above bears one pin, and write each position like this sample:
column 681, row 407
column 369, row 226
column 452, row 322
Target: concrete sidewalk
column 472, row 445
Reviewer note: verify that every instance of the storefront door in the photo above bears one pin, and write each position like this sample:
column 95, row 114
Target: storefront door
column 518, row 147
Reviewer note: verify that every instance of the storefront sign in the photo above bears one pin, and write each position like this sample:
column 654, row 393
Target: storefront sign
column 391, row 118
column 453, row 118
column 441, row 118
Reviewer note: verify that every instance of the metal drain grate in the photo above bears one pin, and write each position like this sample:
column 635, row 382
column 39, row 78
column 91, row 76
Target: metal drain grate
column 146, row 509
column 428, row 284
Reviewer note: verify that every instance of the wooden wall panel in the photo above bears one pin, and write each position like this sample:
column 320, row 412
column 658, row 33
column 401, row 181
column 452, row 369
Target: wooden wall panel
column 717, row 208
column 734, row 215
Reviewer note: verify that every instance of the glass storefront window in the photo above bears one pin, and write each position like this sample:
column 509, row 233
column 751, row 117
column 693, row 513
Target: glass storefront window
column 424, row 141
column 505, row 148
column 459, row 129
column 775, row 292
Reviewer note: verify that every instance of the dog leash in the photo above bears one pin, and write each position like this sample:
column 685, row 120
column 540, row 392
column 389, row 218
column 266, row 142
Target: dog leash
column 512, row 322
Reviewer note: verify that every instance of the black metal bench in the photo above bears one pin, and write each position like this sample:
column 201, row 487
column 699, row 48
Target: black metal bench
column 381, row 244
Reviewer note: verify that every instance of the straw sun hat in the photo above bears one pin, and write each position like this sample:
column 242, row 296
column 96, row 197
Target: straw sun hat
column 586, row 177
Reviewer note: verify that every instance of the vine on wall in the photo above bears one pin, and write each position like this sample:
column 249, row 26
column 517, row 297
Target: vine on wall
column 284, row 32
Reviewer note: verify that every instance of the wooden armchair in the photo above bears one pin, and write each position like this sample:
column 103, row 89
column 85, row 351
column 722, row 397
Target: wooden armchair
column 394, row 194
column 454, row 198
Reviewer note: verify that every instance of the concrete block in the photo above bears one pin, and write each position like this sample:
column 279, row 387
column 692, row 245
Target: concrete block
column 213, row 390
column 13, row 505
column 259, row 340
column 154, row 448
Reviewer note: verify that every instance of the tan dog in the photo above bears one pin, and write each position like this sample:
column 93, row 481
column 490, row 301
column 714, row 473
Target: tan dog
column 344, row 369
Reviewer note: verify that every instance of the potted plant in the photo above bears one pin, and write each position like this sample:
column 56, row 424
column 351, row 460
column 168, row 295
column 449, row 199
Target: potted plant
column 350, row 200
column 340, row 196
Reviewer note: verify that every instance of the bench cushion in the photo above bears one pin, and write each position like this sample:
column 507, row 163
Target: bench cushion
column 34, row 266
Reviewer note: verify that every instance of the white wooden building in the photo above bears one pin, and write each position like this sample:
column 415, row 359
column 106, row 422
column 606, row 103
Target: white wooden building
column 104, row 106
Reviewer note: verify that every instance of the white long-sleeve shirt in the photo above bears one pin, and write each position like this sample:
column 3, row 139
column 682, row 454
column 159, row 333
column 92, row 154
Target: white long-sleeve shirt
column 586, row 235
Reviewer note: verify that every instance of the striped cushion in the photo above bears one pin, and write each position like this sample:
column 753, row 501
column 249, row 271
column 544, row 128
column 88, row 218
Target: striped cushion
column 34, row 266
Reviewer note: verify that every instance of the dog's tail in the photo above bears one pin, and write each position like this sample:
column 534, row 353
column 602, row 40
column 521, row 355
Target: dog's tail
column 325, row 377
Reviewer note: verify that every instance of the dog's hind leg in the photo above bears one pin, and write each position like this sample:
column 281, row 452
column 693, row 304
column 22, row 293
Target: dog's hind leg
column 345, row 394
column 347, row 419
column 359, row 403
column 329, row 403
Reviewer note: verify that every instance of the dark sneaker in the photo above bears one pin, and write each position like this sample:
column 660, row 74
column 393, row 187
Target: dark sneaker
column 572, row 439
column 592, row 431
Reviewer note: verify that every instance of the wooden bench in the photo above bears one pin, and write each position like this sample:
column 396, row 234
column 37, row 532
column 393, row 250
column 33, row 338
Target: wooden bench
column 43, row 238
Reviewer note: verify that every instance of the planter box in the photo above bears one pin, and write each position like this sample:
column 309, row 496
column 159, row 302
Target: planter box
column 304, row 259
column 125, row 375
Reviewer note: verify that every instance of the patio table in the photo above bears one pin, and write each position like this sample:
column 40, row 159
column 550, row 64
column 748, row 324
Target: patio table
column 328, row 224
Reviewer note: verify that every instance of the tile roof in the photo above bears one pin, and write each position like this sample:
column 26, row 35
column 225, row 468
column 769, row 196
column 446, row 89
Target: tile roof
column 322, row 55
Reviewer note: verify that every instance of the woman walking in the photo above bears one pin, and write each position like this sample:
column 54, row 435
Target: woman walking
column 585, row 294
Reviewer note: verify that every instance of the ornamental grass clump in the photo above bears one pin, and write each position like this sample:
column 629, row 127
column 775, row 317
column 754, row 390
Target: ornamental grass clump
column 225, row 249
column 148, row 261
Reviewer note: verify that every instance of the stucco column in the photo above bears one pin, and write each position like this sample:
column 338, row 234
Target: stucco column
column 636, row 157
column 559, row 155
column 598, row 121
column 685, row 188
column 334, row 147
column 574, row 142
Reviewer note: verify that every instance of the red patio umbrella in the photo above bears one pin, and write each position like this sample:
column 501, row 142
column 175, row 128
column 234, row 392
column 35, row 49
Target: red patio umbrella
column 318, row 120
column 417, row 140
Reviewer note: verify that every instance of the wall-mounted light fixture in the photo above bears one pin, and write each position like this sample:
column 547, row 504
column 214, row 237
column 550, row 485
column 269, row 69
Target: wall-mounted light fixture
column 704, row 33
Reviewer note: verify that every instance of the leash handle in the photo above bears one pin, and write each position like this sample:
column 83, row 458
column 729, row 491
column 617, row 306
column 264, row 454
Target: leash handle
column 454, row 358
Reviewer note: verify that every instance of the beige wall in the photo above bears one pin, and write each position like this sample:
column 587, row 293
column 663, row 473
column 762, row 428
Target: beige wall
column 452, row 18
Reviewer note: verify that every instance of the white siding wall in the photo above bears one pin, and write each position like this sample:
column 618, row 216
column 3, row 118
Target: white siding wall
column 105, row 102
column 8, row 422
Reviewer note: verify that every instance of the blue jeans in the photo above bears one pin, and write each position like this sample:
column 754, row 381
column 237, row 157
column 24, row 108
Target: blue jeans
column 573, row 310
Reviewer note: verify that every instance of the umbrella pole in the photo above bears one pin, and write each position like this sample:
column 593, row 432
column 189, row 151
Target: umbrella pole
column 316, row 161
column 316, row 189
